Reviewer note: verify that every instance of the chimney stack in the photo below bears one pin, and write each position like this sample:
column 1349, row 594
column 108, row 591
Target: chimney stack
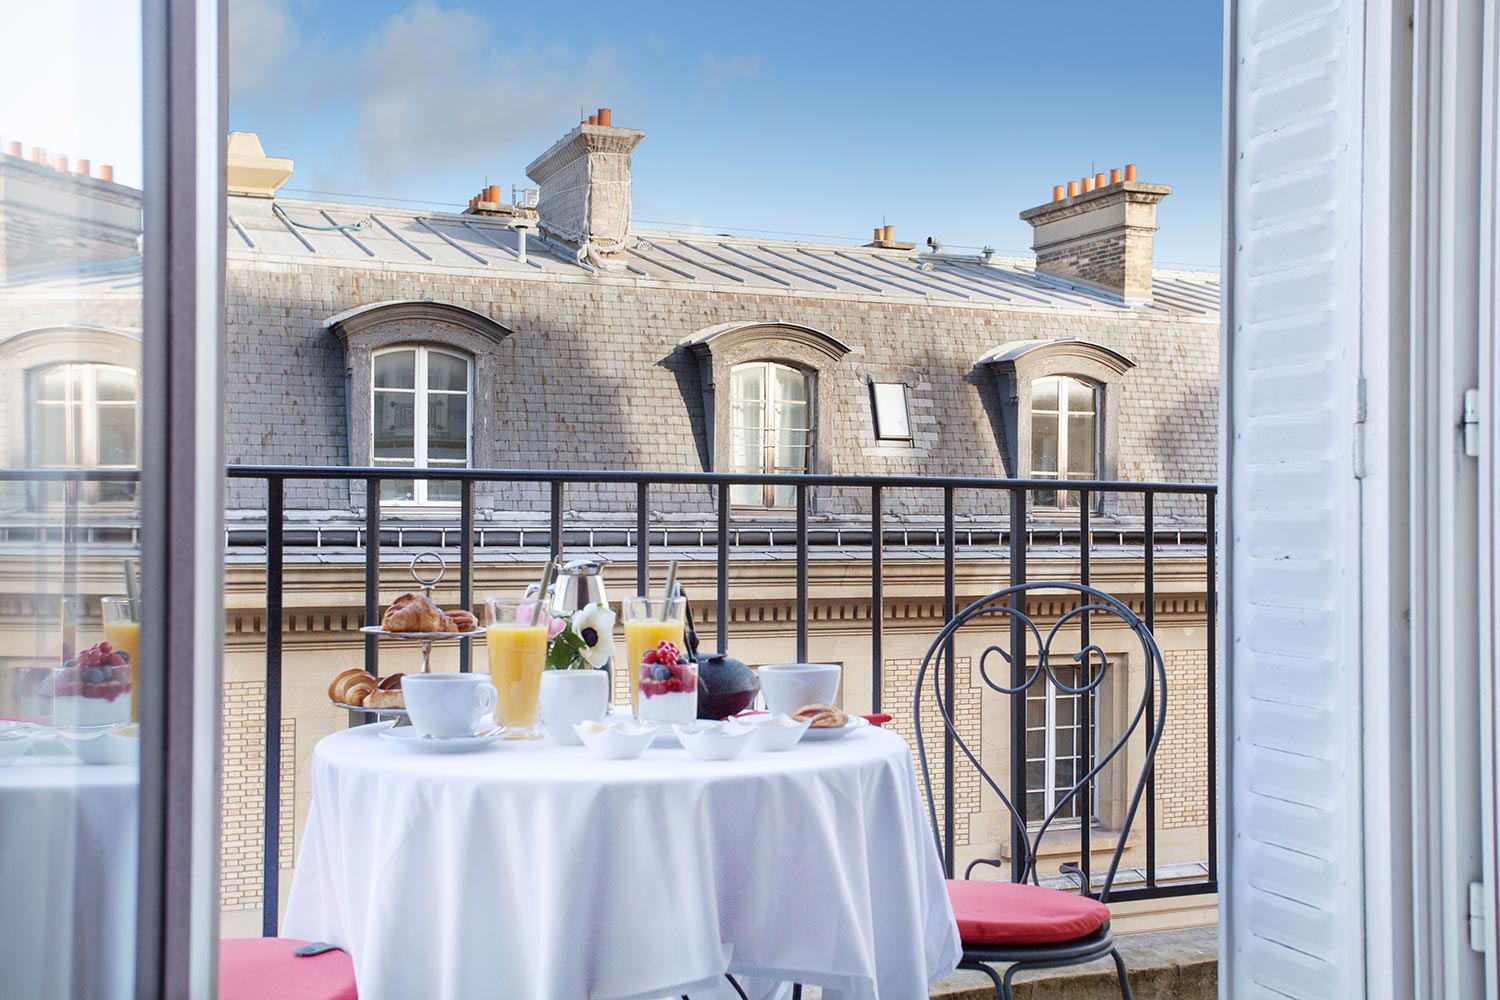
column 1100, row 234
column 585, row 188
column 251, row 173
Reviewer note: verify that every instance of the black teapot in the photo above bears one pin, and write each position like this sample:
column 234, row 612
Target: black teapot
column 726, row 686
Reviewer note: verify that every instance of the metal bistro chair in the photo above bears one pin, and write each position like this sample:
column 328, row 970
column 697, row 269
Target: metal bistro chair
column 1021, row 921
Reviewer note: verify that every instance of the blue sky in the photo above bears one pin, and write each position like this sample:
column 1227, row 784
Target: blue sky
column 816, row 118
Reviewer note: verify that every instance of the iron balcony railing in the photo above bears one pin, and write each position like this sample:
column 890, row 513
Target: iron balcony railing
column 1015, row 538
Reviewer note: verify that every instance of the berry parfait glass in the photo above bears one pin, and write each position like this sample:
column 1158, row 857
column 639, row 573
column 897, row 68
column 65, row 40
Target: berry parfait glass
column 668, row 685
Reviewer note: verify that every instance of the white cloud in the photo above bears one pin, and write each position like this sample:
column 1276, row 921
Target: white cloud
column 260, row 43
column 715, row 74
column 434, row 87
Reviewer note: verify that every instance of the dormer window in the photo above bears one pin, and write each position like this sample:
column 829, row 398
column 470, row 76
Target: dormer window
column 1064, row 436
column 771, row 429
column 421, row 401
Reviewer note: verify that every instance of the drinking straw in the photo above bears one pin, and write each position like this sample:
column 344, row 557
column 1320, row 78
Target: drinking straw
column 132, row 590
column 666, row 603
column 541, row 595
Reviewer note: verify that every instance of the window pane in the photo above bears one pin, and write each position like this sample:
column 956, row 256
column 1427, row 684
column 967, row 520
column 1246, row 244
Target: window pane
column 790, row 384
column 442, row 491
column 890, row 410
column 1044, row 394
column 117, row 435
column 1036, row 745
column 792, row 415
column 53, row 383
column 1044, row 498
column 1043, row 443
column 446, row 372
column 50, row 437
column 750, row 382
column 1036, row 809
column 396, row 370
column 747, row 415
column 747, row 495
column 746, row 449
column 393, row 426
column 784, row 496
column 1080, row 397
column 112, row 383
column 1036, row 713
column 1036, row 774
column 401, row 490
column 1081, row 446
column 447, row 427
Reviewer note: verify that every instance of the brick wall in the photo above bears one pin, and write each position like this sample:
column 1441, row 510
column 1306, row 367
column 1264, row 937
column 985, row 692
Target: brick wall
column 242, row 800
column 898, row 681
column 1182, row 759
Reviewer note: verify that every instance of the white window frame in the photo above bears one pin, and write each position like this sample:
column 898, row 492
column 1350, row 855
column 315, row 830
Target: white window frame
column 419, row 393
column 81, row 420
column 769, row 463
column 1051, row 792
column 1062, row 378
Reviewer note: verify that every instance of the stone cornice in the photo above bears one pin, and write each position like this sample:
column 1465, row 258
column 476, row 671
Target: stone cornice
column 361, row 319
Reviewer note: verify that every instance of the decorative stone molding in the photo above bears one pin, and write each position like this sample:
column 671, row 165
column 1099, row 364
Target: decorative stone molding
column 719, row 348
column 1015, row 365
column 366, row 329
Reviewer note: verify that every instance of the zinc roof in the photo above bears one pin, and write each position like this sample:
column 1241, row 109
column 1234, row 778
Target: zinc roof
column 407, row 239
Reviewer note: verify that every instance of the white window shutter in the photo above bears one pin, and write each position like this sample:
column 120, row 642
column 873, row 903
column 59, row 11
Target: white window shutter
column 1293, row 923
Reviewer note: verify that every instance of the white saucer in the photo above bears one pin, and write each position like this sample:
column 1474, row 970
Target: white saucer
column 408, row 737
column 815, row 734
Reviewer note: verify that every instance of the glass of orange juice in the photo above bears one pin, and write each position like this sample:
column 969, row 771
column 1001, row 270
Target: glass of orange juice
column 122, row 630
column 516, row 637
column 649, row 620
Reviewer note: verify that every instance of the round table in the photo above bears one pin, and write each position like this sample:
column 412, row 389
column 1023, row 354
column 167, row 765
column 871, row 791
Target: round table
column 68, row 845
column 536, row 871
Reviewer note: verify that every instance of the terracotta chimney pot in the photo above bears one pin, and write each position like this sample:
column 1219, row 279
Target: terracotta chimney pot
column 106, row 173
column 1072, row 189
column 879, row 235
column 605, row 115
column 1130, row 171
column 60, row 163
column 81, row 167
column 492, row 193
column 13, row 149
column 1114, row 176
column 1099, row 181
column 1087, row 185
column 593, row 119
column 889, row 234
column 1058, row 193
column 38, row 155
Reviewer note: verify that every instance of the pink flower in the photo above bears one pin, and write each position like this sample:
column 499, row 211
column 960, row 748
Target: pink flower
column 524, row 613
column 555, row 628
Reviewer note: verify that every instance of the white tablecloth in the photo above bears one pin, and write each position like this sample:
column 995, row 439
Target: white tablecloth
column 536, row 871
column 68, row 846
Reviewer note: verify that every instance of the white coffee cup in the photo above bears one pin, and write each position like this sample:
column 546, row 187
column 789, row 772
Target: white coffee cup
column 448, row 705
column 790, row 686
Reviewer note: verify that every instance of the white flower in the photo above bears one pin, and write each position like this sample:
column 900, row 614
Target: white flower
column 595, row 625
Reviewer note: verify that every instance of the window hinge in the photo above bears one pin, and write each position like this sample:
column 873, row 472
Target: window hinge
column 1471, row 423
column 1360, row 411
column 1478, row 935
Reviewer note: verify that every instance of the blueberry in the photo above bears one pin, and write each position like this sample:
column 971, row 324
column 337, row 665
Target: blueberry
column 123, row 655
column 661, row 673
column 93, row 675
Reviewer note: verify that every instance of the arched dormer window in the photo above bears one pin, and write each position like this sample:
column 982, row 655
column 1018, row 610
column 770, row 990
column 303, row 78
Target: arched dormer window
column 1059, row 410
column 761, row 401
column 74, row 395
column 422, row 381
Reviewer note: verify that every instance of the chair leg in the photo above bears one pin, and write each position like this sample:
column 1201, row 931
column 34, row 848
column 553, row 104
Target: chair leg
column 1015, row 968
column 796, row 991
column 1120, row 971
column 1002, row 987
column 737, row 987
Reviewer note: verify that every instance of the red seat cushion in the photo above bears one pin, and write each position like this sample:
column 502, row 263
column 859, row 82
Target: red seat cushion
column 266, row 969
column 1006, row 913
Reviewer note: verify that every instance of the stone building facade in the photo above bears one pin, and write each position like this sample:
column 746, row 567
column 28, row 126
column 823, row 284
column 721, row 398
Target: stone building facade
column 607, row 353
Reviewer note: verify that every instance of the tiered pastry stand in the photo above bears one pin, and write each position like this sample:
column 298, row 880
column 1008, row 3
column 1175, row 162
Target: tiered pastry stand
column 425, row 638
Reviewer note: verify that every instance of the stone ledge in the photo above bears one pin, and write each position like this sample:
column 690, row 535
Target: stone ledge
column 1163, row 965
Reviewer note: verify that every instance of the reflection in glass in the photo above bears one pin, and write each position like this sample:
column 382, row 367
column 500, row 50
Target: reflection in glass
column 770, row 429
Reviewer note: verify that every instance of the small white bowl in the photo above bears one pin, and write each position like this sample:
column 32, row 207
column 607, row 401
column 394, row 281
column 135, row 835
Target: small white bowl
column 714, row 740
column 777, row 732
column 622, row 740
column 121, row 746
column 13, row 748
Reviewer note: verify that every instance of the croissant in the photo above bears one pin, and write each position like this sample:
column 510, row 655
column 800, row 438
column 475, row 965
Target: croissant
column 822, row 716
column 385, row 699
column 413, row 613
column 351, row 687
column 390, row 682
column 463, row 621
